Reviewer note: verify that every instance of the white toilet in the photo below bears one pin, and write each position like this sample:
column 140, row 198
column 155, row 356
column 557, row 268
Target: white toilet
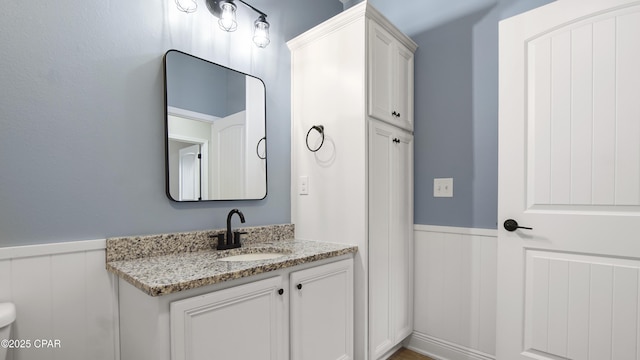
column 7, row 317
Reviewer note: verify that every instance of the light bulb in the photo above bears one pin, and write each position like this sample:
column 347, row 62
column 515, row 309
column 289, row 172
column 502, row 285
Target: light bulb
column 187, row 6
column 261, row 32
column 227, row 20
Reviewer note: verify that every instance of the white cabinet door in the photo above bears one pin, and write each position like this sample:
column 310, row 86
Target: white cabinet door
column 401, row 240
column 403, row 94
column 381, row 81
column 380, row 172
column 390, row 237
column 322, row 312
column 390, row 78
column 242, row 322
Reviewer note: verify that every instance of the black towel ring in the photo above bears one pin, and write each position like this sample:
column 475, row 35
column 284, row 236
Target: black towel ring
column 320, row 129
column 265, row 148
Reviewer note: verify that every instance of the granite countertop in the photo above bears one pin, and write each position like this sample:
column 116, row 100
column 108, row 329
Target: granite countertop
column 170, row 273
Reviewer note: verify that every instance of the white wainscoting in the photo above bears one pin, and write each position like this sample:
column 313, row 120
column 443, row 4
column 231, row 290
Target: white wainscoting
column 455, row 293
column 62, row 292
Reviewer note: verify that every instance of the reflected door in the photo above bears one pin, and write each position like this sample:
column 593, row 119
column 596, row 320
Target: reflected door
column 229, row 158
column 189, row 165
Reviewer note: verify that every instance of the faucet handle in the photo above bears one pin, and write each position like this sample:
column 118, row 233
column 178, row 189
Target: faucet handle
column 236, row 236
column 222, row 245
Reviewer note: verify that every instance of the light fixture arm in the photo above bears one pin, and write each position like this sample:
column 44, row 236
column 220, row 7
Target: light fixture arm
column 253, row 8
column 228, row 22
column 214, row 7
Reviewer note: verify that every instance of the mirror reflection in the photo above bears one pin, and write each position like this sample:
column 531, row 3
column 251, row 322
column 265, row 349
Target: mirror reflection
column 215, row 131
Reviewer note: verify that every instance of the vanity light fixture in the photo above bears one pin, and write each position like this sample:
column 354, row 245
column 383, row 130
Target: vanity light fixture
column 261, row 32
column 227, row 20
column 225, row 11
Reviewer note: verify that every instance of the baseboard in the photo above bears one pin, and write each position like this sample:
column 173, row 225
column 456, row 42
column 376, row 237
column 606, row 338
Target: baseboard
column 439, row 349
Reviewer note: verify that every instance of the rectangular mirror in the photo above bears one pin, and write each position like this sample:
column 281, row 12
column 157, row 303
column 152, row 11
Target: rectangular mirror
column 215, row 131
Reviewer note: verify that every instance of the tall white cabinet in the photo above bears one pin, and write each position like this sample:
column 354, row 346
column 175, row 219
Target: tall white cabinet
column 353, row 74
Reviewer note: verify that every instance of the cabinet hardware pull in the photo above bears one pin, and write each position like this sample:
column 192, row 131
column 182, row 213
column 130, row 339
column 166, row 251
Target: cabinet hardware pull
column 281, row 291
column 299, row 286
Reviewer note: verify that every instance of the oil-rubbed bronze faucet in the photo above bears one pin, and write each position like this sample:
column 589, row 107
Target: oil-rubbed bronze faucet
column 232, row 238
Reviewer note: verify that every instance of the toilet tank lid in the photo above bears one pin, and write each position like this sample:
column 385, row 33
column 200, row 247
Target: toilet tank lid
column 7, row 314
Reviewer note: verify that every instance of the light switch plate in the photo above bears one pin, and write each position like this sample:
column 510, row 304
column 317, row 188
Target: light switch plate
column 303, row 185
column 443, row 187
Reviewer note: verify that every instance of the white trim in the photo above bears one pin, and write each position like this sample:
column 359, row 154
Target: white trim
column 456, row 230
column 426, row 345
column 17, row 252
column 193, row 115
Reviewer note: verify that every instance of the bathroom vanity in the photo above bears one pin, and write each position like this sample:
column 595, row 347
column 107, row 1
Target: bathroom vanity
column 294, row 303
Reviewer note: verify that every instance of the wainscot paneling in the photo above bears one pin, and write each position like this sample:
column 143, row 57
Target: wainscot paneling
column 455, row 293
column 62, row 292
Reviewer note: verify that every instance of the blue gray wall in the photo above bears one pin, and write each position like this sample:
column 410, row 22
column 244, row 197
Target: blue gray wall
column 456, row 116
column 82, row 113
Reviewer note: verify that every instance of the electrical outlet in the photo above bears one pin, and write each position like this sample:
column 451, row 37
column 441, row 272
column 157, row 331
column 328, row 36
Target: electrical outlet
column 443, row 187
column 303, row 185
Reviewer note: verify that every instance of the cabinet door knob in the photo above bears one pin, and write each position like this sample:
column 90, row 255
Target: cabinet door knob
column 281, row 291
column 394, row 114
column 299, row 286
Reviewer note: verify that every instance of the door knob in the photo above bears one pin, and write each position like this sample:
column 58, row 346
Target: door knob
column 512, row 225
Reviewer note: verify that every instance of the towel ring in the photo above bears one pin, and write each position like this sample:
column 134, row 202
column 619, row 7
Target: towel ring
column 265, row 148
column 320, row 129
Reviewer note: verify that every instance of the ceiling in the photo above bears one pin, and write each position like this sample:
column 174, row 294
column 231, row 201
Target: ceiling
column 415, row 16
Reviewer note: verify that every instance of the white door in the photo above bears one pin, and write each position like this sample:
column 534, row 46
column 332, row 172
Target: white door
column 570, row 169
column 189, row 174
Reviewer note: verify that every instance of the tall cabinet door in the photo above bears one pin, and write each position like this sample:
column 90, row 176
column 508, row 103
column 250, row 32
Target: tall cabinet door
column 390, row 237
column 380, row 211
column 242, row 322
column 322, row 312
column 401, row 241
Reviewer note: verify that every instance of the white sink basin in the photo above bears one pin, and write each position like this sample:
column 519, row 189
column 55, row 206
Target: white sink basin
column 253, row 257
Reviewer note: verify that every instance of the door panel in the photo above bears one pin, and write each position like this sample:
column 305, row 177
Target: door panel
column 583, row 99
column 581, row 306
column 570, row 169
